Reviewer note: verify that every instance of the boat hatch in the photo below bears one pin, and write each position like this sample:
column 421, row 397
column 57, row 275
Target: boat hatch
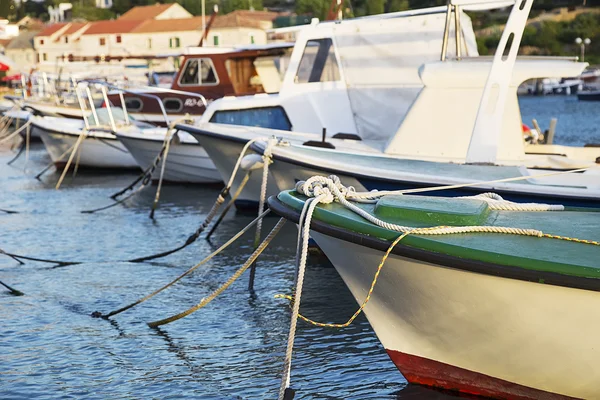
column 432, row 211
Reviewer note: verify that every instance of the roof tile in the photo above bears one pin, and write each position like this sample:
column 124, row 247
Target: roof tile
column 144, row 12
column 113, row 26
column 51, row 29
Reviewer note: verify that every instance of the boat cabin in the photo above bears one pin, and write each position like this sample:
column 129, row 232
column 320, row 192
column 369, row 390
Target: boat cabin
column 405, row 84
column 355, row 77
column 211, row 73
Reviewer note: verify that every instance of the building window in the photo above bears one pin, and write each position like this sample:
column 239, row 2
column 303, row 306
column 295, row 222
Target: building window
column 45, row 57
column 149, row 43
column 318, row 63
column 66, row 39
column 41, row 41
column 216, row 40
column 102, row 41
column 118, row 38
column 198, row 71
column 174, row 42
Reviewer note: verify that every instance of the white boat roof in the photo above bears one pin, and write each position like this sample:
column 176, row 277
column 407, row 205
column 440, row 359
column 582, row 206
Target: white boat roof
column 223, row 50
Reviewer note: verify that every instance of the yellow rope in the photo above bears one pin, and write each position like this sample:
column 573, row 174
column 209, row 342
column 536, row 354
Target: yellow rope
column 224, row 286
column 569, row 239
column 384, row 259
column 364, row 303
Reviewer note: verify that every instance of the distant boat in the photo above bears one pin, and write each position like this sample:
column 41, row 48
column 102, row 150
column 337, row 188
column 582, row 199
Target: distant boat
column 98, row 149
column 589, row 95
column 187, row 161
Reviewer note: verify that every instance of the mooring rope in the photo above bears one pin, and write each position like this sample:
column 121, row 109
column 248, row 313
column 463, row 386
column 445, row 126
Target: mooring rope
column 162, row 170
column 18, row 258
column 145, row 178
column 266, row 159
column 12, row 290
column 16, row 132
column 232, row 279
column 98, row 314
column 80, row 139
column 229, row 204
column 52, row 163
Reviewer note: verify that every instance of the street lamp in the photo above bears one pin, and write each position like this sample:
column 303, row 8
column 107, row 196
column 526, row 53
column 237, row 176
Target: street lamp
column 582, row 43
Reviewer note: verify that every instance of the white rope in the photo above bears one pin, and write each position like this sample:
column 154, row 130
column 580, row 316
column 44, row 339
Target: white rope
column 496, row 202
column 309, row 207
column 330, row 189
column 368, row 197
column 16, row 132
column 241, row 156
column 266, row 158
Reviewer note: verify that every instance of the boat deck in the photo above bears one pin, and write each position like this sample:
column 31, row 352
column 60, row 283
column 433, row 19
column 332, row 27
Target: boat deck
column 528, row 252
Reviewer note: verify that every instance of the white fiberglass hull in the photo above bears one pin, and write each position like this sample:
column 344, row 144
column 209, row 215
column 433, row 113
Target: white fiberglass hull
column 97, row 150
column 367, row 172
column 499, row 337
column 224, row 154
column 187, row 161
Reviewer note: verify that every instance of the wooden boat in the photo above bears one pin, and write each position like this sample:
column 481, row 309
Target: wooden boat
column 497, row 315
column 187, row 161
column 207, row 74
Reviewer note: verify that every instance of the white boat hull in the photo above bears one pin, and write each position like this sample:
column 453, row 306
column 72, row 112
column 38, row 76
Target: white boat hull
column 186, row 162
column 224, row 154
column 93, row 152
column 477, row 333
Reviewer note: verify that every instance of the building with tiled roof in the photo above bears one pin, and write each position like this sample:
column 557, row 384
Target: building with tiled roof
column 156, row 11
column 21, row 50
column 150, row 31
column 52, row 30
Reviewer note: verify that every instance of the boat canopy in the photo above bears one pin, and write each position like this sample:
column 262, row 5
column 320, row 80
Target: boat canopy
column 380, row 61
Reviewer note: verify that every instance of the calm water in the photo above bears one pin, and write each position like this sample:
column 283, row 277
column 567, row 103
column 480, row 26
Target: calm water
column 233, row 349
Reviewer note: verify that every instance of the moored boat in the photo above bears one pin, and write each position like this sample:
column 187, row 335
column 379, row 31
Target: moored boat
column 589, row 95
column 499, row 308
column 187, row 161
column 99, row 148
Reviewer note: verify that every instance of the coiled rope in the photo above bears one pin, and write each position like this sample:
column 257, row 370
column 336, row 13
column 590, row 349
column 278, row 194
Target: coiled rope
column 326, row 190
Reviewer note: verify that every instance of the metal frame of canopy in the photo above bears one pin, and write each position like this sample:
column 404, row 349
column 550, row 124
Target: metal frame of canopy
column 466, row 5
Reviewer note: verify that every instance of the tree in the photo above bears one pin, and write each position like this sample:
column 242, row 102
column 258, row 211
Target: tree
column 397, row 5
column 375, row 7
column 315, row 8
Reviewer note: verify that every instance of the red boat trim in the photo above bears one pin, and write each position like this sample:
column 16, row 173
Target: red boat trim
column 426, row 372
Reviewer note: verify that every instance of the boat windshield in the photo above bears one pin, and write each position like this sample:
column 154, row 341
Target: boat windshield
column 318, row 63
column 198, row 72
